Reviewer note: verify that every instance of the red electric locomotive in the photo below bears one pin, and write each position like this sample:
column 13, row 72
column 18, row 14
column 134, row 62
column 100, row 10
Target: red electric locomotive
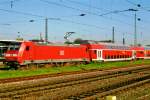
column 34, row 53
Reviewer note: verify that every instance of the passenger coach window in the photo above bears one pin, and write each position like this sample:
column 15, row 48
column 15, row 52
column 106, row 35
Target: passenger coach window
column 27, row 48
column 117, row 56
column 95, row 51
column 112, row 57
column 108, row 57
column 141, row 52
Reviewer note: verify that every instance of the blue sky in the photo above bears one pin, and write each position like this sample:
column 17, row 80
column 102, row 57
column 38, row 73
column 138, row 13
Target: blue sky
column 91, row 26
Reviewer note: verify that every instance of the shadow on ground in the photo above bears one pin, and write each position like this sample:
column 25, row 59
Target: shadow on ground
column 6, row 68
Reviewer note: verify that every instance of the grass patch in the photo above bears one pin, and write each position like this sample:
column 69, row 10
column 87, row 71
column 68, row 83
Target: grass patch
column 53, row 70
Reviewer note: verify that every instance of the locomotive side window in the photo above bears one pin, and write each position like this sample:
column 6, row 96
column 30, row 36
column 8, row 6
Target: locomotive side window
column 27, row 48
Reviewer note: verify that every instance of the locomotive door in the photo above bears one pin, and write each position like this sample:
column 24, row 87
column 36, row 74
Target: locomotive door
column 99, row 54
column 29, row 53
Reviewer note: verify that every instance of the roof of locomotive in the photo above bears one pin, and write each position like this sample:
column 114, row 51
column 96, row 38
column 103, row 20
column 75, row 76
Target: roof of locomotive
column 57, row 44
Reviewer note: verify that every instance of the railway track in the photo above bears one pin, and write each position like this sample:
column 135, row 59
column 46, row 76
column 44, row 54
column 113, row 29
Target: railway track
column 83, row 90
column 102, row 72
column 113, row 88
column 57, row 84
column 135, row 92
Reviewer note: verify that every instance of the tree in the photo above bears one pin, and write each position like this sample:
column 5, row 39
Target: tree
column 78, row 41
column 68, row 42
column 148, row 45
column 139, row 45
column 19, row 39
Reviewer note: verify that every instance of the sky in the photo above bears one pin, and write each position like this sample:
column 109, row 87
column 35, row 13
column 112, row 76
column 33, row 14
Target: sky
column 64, row 16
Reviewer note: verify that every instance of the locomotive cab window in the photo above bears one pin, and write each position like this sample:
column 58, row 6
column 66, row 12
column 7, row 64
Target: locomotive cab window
column 27, row 48
column 11, row 48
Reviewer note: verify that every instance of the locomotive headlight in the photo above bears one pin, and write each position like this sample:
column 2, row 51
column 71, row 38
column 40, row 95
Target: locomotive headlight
column 7, row 55
column 14, row 55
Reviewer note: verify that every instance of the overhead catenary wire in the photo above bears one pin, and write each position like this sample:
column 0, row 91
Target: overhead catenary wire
column 77, row 9
column 108, row 12
column 22, row 13
column 87, row 12
column 59, row 19
column 10, row 2
column 93, row 7
column 137, row 5
column 35, row 15
column 4, row 2
column 89, row 25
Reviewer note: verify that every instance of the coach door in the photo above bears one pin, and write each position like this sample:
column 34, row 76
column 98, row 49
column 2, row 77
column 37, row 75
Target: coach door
column 133, row 54
column 99, row 54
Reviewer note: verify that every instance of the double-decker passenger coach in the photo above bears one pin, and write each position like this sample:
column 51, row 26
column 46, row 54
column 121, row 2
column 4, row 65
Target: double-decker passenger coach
column 110, row 52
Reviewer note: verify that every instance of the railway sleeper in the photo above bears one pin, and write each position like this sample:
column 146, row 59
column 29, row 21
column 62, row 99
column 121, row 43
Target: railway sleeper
column 111, row 87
